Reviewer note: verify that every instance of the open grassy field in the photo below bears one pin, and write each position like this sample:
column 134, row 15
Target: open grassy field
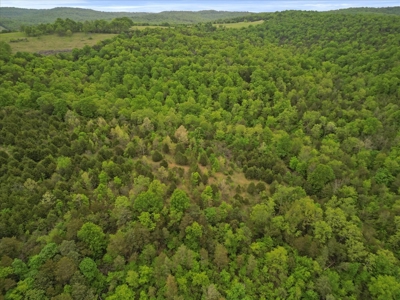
column 47, row 43
column 52, row 42
column 147, row 26
column 239, row 25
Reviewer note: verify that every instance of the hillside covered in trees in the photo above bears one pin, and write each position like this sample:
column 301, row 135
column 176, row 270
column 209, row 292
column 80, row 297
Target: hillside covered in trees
column 13, row 18
column 205, row 163
column 395, row 10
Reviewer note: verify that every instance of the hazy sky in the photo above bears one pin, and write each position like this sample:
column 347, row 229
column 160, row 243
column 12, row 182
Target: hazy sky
column 230, row 5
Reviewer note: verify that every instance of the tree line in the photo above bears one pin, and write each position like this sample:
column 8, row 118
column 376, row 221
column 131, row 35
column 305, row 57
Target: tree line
column 67, row 27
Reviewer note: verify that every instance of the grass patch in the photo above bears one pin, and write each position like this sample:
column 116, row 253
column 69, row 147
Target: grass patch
column 239, row 25
column 146, row 26
column 52, row 42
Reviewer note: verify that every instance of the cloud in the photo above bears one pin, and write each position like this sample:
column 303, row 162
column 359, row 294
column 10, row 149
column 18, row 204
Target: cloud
column 43, row 4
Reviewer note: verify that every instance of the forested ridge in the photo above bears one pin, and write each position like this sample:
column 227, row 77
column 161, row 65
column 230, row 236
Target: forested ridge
column 395, row 10
column 205, row 163
column 13, row 18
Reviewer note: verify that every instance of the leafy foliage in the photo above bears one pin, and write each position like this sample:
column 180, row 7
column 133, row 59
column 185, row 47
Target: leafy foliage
column 13, row 18
column 280, row 171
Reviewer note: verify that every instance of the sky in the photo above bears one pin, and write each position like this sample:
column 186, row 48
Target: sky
column 193, row 5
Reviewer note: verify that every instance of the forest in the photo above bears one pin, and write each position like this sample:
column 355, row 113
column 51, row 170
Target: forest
column 13, row 18
column 201, row 162
column 67, row 27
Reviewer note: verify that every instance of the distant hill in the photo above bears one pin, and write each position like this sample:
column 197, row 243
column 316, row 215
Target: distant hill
column 266, row 15
column 395, row 10
column 12, row 18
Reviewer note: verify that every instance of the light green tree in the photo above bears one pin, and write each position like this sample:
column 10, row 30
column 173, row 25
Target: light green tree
column 94, row 238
